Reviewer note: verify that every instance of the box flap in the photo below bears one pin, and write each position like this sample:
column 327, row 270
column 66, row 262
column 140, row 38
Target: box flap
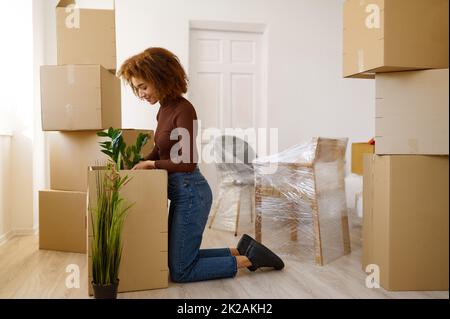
column 65, row 3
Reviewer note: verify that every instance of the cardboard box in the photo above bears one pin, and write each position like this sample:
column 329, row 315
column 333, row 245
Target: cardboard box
column 85, row 36
column 412, row 111
column 358, row 150
column 62, row 221
column 394, row 35
column 79, row 97
column 406, row 219
column 130, row 136
column 71, row 154
column 144, row 262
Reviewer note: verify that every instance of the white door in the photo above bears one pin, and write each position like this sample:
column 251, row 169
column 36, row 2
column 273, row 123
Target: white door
column 225, row 82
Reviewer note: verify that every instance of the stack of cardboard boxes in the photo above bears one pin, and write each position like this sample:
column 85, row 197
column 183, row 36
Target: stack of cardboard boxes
column 403, row 45
column 79, row 97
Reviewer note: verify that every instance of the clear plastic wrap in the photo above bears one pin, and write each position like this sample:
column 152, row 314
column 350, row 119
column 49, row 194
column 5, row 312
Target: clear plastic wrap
column 300, row 201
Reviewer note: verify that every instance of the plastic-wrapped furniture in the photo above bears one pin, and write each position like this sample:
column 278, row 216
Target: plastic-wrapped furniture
column 233, row 157
column 306, row 184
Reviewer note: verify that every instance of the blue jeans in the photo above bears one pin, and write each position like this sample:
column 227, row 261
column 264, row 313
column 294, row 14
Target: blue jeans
column 190, row 202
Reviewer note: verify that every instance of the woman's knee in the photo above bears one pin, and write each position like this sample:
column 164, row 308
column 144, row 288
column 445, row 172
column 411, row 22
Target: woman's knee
column 179, row 276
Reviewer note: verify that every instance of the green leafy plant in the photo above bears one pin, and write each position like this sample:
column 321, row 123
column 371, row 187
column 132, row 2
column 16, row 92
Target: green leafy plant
column 107, row 218
column 116, row 147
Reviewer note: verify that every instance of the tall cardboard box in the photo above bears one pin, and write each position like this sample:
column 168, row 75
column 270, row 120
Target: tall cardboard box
column 86, row 36
column 79, row 97
column 406, row 220
column 71, row 154
column 358, row 151
column 144, row 262
column 412, row 111
column 394, row 35
column 62, row 221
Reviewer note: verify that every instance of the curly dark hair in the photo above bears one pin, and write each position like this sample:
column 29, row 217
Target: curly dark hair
column 161, row 68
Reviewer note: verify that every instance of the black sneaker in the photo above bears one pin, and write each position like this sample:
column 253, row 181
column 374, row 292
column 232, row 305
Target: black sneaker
column 261, row 256
column 243, row 244
column 242, row 247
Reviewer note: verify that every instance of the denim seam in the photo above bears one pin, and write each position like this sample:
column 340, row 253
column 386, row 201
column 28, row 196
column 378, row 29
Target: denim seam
column 186, row 218
column 185, row 221
column 235, row 266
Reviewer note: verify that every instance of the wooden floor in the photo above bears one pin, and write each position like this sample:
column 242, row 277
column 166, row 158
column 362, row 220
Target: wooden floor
column 27, row 272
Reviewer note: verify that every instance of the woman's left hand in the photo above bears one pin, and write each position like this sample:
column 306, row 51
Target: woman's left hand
column 144, row 165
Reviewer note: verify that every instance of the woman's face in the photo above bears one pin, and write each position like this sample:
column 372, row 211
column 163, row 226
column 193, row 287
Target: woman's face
column 145, row 91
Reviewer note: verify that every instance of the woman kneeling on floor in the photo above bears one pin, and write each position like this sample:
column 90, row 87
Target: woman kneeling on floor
column 156, row 75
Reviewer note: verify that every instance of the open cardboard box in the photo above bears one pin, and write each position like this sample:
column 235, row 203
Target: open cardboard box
column 144, row 262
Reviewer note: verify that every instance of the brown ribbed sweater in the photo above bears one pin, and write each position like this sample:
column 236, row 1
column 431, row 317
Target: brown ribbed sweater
column 178, row 113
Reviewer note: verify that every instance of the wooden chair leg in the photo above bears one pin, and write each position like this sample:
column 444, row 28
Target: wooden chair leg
column 238, row 213
column 293, row 221
column 258, row 215
column 346, row 233
column 344, row 213
column 215, row 209
column 317, row 237
column 252, row 204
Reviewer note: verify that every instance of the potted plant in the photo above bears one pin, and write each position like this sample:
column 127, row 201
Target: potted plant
column 115, row 147
column 107, row 219
column 110, row 211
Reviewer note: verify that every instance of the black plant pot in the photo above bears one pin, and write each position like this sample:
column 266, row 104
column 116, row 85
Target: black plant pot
column 105, row 292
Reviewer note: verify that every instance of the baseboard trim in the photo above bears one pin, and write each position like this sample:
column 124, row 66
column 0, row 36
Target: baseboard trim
column 18, row 232
column 5, row 237
column 26, row 232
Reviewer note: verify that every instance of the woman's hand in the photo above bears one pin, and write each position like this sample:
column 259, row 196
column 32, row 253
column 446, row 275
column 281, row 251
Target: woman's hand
column 144, row 165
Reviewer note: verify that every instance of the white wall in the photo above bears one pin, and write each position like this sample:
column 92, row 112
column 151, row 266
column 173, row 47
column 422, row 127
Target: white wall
column 306, row 94
column 44, row 50
column 17, row 87
column 23, row 161
column 5, row 216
